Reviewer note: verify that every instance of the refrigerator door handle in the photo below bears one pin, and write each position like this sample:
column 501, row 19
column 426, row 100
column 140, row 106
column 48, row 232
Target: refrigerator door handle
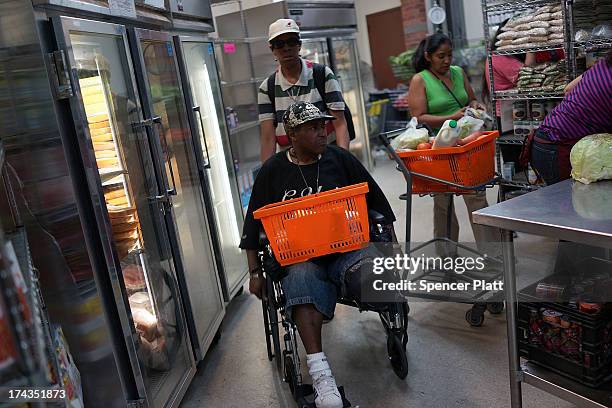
column 156, row 120
column 197, row 110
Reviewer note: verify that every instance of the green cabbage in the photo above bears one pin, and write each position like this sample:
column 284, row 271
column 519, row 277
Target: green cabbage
column 591, row 158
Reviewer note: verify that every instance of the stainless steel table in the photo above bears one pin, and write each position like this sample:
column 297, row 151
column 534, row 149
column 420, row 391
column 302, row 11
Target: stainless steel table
column 569, row 211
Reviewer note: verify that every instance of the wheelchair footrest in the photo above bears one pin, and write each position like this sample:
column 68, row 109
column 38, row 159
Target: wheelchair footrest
column 304, row 397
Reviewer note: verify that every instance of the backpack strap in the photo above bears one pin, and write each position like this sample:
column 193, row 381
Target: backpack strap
column 271, row 95
column 318, row 73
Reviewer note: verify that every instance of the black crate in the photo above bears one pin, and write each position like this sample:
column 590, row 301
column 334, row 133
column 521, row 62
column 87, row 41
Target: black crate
column 582, row 352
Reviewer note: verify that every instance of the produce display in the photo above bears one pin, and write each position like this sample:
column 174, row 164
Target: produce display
column 591, row 158
column 544, row 26
column 402, row 65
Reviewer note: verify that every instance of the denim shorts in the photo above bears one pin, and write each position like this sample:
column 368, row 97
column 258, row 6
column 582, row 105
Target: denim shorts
column 319, row 281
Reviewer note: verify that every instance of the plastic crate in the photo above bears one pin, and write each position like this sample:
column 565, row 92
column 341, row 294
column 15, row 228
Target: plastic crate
column 588, row 361
column 316, row 225
column 469, row 165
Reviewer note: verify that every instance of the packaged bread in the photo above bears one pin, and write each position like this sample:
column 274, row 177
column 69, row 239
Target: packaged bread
column 123, row 214
column 508, row 35
column 556, row 29
column 107, row 163
column 127, row 235
column 116, row 193
column 542, row 17
column 97, row 118
column 105, row 154
column 99, row 125
column 537, row 32
column 119, row 202
column 124, row 227
column 104, row 146
column 103, row 138
column 100, row 131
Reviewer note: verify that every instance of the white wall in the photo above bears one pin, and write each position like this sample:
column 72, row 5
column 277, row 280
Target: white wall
column 363, row 8
column 473, row 20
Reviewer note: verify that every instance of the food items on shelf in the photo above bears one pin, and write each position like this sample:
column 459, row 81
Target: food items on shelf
column 535, row 28
column 591, row 158
column 145, row 322
column 552, row 316
column 548, row 77
column 133, row 276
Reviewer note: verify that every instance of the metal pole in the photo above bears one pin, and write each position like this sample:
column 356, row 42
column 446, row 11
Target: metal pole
column 511, row 316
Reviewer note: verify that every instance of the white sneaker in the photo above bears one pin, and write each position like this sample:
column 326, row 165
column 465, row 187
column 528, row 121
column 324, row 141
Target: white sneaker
column 325, row 390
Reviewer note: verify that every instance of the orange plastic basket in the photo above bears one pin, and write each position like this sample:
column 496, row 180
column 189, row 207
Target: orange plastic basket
column 469, row 165
column 317, row 225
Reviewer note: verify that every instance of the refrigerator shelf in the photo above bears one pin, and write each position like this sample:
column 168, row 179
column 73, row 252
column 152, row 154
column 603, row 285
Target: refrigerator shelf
column 106, row 175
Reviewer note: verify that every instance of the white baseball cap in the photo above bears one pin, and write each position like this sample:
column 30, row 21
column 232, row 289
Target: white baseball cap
column 282, row 26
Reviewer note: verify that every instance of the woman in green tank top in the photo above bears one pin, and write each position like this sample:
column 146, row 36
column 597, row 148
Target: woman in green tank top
column 439, row 92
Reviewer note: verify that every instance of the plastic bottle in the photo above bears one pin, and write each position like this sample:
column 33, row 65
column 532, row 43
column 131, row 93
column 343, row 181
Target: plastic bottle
column 448, row 135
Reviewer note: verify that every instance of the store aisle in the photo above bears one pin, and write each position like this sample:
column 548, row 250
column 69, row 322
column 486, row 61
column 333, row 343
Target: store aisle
column 451, row 364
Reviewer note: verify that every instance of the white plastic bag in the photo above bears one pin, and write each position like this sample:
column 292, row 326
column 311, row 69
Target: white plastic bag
column 468, row 125
column 411, row 137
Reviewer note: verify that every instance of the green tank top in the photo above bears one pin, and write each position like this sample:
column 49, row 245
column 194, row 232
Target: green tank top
column 439, row 101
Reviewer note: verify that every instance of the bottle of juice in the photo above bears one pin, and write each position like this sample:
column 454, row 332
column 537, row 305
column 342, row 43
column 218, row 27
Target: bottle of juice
column 448, row 135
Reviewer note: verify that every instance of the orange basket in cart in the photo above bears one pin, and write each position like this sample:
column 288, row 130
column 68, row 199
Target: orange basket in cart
column 469, row 165
column 316, row 225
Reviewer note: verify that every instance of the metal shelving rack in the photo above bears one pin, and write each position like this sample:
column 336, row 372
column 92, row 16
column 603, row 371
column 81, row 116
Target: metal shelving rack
column 493, row 8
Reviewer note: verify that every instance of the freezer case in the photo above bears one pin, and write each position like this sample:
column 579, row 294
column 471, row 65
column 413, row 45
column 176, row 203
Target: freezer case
column 211, row 139
column 129, row 205
column 181, row 170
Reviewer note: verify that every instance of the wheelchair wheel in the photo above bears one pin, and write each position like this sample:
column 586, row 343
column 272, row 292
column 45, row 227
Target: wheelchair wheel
column 290, row 374
column 265, row 306
column 397, row 354
column 495, row 308
column 273, row 319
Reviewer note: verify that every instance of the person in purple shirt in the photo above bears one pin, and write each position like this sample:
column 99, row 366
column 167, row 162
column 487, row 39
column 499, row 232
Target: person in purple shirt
column 585, row 110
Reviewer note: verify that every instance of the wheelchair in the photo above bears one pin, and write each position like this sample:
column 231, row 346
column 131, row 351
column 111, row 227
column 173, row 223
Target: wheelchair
column 393, row 316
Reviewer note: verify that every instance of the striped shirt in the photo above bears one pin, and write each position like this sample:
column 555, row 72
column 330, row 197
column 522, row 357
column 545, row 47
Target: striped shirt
column 586, row 110
column 304, row 89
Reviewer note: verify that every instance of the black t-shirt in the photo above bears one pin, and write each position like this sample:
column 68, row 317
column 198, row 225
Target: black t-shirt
column 280, row 180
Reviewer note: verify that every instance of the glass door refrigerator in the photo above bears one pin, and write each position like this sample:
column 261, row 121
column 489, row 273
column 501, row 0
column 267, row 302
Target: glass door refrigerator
column 345, row 63
column 132, row 204
column 211, row 139
column 181, row 169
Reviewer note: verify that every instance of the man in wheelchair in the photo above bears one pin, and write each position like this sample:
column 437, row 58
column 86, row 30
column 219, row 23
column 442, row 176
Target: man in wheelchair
column 311, row 288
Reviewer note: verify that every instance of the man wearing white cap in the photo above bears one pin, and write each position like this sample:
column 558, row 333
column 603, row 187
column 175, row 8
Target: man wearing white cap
column 296, row 81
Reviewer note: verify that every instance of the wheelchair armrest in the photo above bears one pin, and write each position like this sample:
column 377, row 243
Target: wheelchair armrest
column 376, row 217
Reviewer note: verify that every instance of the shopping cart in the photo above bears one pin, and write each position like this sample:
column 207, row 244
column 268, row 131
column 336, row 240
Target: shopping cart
column 451, row 171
